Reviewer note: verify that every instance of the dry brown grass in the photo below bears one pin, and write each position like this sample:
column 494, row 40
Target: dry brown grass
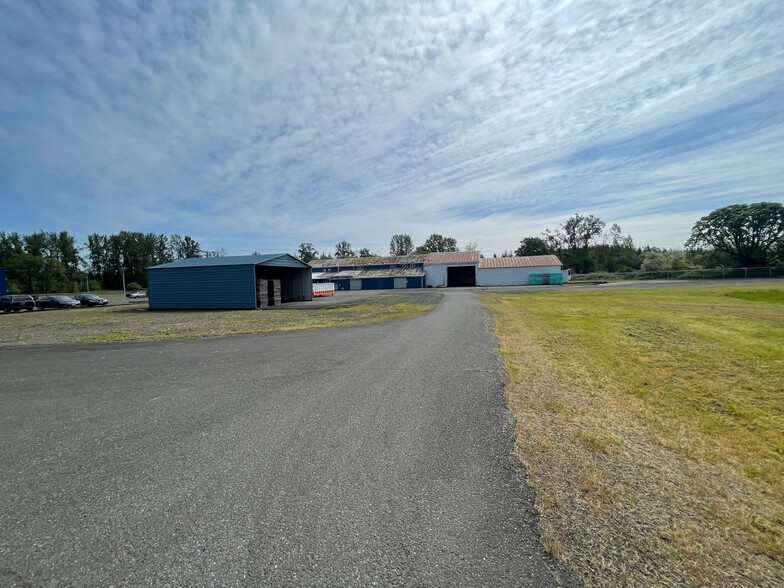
column 137, row 323
column 651, row 424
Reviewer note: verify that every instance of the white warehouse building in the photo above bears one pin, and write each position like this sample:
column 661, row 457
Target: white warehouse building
column 535, row 270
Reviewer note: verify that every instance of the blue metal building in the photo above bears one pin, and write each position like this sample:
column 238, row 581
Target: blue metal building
column 371, row 273
column 226, row 282
column 3, row 282
column 375, row 279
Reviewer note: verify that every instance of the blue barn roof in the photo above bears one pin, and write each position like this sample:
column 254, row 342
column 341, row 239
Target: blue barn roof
column 273, row 259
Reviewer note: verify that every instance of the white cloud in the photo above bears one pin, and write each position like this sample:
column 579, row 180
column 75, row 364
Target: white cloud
column 275, row 123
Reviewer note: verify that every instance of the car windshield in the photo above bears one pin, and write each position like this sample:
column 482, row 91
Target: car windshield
column 90, row 296
column 21, row 297
column 62, row 298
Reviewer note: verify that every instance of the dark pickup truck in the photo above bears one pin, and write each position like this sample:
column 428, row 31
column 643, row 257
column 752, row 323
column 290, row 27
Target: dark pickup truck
column 16, row 302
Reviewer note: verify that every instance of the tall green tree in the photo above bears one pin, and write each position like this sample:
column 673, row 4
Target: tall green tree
column 436, row 243
column 184, row 247
column 307, row 252
column 572, row 242
column 532, row 246
column 37, row 274
column 365, row 252
column 751, row 233
column 401, row 245
column 343, row 250
column 10, row 244
column 579, row 231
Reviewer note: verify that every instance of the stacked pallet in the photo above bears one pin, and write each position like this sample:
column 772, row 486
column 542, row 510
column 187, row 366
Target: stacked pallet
column 275, row 297
column 269, row 293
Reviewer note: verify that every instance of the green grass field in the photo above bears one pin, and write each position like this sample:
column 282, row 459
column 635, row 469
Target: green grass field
column 663, row 412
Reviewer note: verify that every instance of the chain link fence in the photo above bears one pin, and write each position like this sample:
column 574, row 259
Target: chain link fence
column 720, row 273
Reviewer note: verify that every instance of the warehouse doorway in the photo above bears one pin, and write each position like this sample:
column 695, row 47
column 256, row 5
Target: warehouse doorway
column 461, row 276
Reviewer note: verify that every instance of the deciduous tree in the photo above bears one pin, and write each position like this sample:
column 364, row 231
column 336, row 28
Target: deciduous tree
column 532, row 246
column 401, row 245
column 436, row 243
column 343, row 249
column 306, row 252
column 752, row 233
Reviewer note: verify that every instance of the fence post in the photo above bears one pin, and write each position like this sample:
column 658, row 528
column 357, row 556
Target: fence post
column 745, row 272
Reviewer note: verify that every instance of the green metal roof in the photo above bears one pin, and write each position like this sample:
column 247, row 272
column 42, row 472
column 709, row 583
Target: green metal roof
column 276, row 259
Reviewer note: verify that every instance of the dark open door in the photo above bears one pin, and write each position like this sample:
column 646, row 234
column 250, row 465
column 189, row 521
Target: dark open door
column 462, row 276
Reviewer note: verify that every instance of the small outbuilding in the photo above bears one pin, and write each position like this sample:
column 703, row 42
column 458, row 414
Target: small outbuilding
column 521, row 271
column 233, row 282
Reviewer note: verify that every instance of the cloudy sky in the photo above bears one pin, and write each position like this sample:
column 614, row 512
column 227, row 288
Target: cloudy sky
column 259, row 125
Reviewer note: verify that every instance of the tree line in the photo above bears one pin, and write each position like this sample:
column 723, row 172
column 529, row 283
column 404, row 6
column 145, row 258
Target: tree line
column 399, row 245
column 53, row 262
column 740, row 235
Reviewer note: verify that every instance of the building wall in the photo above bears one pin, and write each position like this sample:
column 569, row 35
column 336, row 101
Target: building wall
column 512, row 276
column 202, row 287
column 435, row 276
column 3, row 282
column 378, row 283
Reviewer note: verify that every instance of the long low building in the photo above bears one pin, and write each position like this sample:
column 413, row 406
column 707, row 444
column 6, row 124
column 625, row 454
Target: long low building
column 438, row 270
column 373, row 279
column 371, row 273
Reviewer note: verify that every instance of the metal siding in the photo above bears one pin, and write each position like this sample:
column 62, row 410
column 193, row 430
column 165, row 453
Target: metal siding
column 415, row 283
column 3, row 282
column 202, row 287
column 436, row 275
column 274, row 259
column 511, row 276
column 285, row 262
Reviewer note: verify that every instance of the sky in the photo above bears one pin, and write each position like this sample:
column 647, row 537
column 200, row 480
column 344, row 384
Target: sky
column 255, row 126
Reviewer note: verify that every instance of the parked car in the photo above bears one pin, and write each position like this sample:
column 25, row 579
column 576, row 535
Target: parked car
column 137, row 294
column 58, row 301
column 91, row 300
column 16, row 302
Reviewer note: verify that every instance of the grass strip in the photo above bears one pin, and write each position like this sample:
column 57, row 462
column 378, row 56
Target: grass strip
column 137, row 323
column 651, row 422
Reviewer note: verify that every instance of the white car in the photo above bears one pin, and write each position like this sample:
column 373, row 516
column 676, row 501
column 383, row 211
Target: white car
column 138, row 294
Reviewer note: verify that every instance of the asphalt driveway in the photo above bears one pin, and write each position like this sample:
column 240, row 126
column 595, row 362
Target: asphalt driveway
column 345, row 457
